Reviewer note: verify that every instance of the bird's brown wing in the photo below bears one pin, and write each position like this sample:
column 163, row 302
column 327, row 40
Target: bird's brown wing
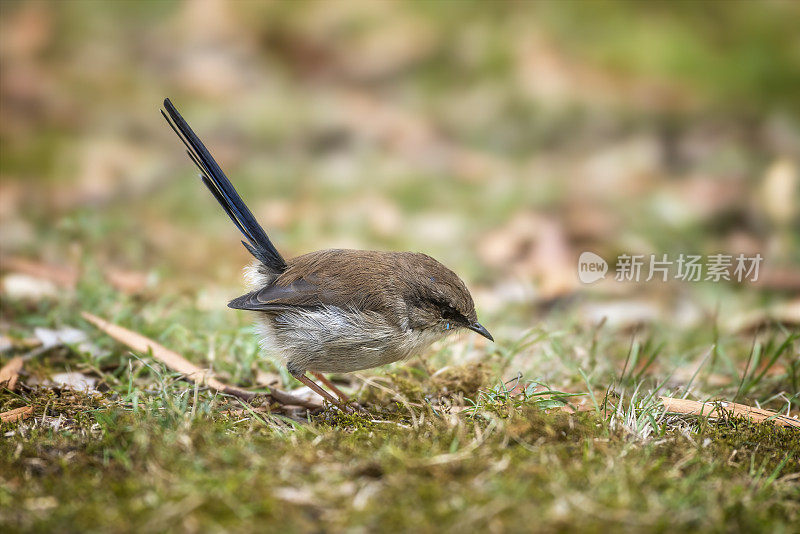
column 342, row 278
column 300, row 293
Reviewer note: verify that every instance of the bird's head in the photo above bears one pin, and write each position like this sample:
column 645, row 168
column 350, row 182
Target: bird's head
column 438, row 299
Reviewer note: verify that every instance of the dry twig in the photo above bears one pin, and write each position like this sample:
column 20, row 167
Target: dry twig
column 178, row 363
column 10, row 373
column 17, row 414
column 721, row 408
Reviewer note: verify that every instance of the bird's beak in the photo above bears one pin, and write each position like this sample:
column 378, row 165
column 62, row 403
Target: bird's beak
column 479, row 328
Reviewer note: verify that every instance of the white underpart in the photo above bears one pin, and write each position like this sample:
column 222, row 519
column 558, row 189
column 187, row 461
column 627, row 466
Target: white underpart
column 334, row 339
column 255, row 279
column 331, row 339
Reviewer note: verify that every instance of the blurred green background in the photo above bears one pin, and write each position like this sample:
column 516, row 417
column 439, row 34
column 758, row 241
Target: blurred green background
column 502, row 138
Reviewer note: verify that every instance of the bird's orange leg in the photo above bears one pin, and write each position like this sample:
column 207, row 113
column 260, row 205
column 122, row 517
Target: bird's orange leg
column 344, row 398
column 314, row 386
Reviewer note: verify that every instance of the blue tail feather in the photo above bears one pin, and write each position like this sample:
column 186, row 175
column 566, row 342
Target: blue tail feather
column 257, row 242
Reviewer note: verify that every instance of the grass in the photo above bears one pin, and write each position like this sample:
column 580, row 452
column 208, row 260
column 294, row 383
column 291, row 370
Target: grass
column 442, row 447
column 161, row 469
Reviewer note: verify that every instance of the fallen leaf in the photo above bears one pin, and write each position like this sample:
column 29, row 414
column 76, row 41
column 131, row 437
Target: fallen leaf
column 781, row 279
column 535, row 247
column 298, row 496
column 718, row 409
column 377, row 52
column 693, row 371
column 40, row 504
column 550, row 77
column 625, row 169
column 129, row 282
column 9, row 373
column 383, row 215
column 306, row 393
column 786, row 315
column 8, row 344
column 623, row 315
column 60, row 275
column 26, row 287
column 275, row 214
column 411, row 134
column 15, row 233
column 700, row 197
column 27, row 31
column 74, row 381
column 779, row 192
column 12, row 193
column 264, row 378
column 52, row 338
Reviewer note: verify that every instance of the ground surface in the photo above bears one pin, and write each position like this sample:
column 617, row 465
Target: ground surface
column 503, row 143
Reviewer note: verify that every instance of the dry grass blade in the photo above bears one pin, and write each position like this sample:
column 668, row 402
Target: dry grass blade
column 10, row 373
column 178, row 363
column 171, row 359
column 722, row 408
column 17, row 414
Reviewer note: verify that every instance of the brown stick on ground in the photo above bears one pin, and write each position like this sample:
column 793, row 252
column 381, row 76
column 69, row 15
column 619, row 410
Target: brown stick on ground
column 178, row 363
column 10, row 373
column 17, row 414
column 720, row 408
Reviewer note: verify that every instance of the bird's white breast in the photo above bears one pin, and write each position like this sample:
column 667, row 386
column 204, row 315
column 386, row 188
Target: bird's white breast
column 333, row 339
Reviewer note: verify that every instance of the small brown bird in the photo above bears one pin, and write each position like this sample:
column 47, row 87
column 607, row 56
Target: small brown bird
column 336, row 311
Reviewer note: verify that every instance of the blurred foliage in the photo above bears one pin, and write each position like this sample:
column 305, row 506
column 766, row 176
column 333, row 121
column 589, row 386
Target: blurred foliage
column 503, row 138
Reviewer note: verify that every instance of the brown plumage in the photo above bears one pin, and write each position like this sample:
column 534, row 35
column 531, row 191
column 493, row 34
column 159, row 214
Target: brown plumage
column 337, row 310
column 387, row 282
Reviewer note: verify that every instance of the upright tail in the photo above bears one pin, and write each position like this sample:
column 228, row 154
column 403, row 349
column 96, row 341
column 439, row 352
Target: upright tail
column 257, row 243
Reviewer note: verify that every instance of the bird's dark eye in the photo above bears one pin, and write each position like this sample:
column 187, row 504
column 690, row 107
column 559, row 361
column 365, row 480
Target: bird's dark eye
column 451, row 314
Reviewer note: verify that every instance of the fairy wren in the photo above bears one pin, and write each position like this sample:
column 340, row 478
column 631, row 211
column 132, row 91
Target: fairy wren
column 336, row 311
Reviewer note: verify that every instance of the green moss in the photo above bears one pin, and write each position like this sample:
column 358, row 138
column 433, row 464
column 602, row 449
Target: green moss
column 450, row 471
column 452, row 448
